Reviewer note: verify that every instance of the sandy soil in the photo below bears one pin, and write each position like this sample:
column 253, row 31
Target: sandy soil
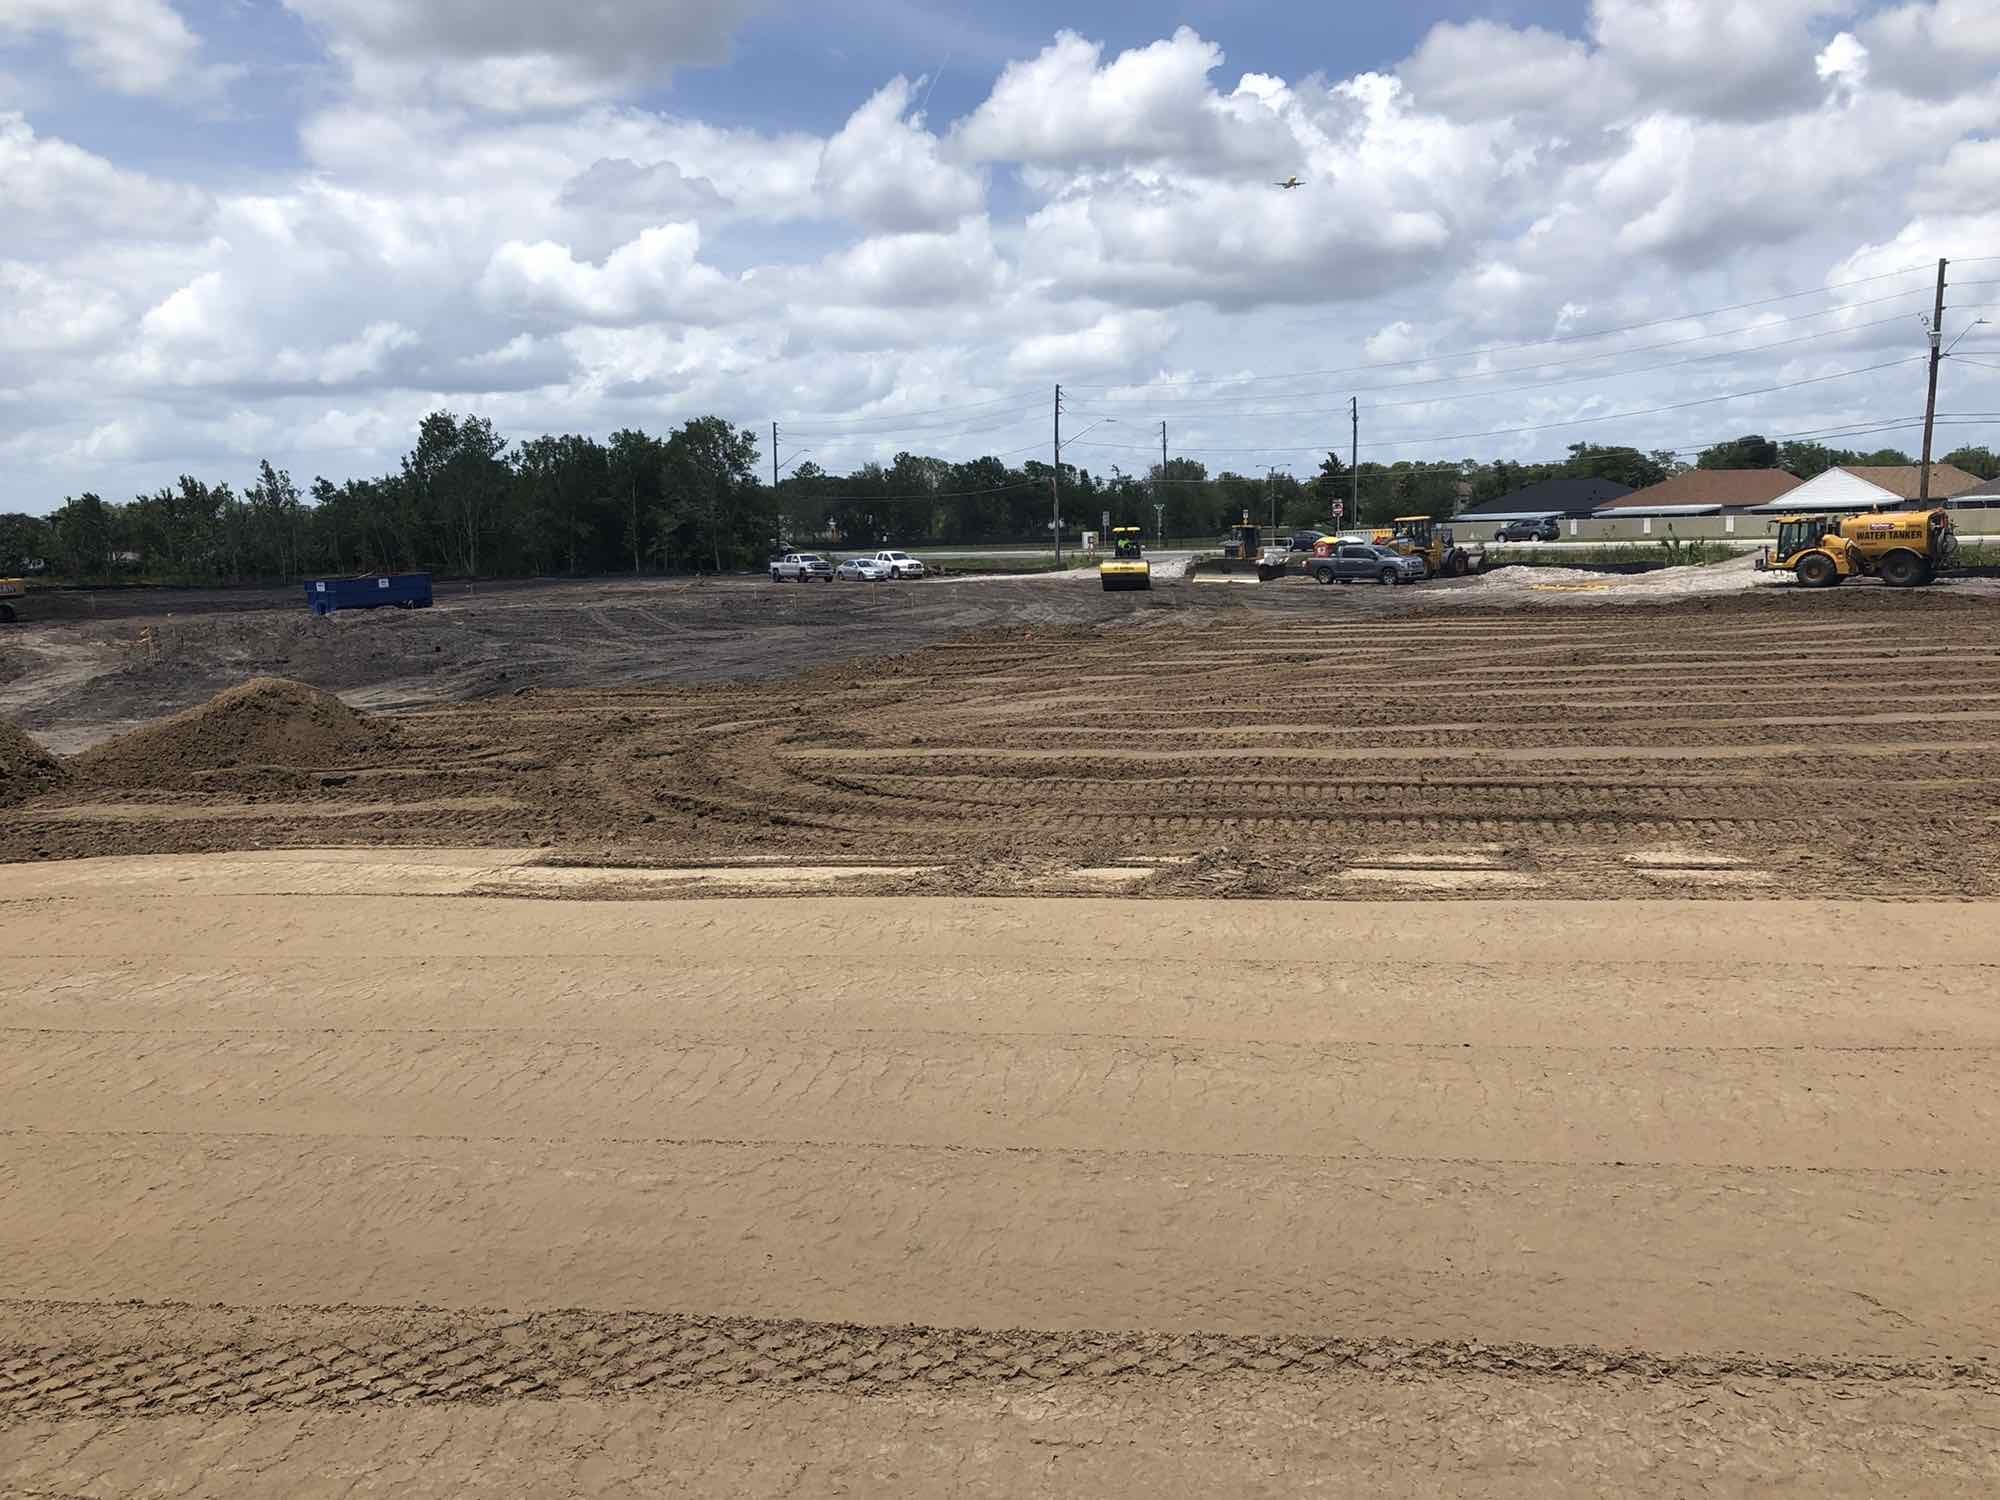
column 390, row 1185
column 728, row 1039
column 1310, row 742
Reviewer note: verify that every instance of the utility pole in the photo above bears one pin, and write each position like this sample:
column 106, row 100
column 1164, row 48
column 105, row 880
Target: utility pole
column 1930, row 401
column 777, row 507
column 1055, row 483
column 1354, row 462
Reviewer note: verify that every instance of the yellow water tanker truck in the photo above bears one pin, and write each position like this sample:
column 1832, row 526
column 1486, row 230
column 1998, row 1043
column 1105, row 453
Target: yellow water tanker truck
column 1902, row 548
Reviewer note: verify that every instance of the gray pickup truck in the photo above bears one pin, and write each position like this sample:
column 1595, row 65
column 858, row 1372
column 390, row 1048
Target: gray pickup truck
column 1363, row 562
column 801, row 567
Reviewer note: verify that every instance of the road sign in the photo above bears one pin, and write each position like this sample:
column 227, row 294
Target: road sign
column 1339, row 510
column 1105, row 517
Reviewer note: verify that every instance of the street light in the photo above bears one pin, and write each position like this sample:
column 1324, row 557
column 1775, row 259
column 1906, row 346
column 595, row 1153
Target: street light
column 1271, row 490
column 777, row 493
column 1055, row 482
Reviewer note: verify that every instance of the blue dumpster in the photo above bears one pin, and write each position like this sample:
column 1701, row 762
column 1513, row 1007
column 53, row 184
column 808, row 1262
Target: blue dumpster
column 372, row 591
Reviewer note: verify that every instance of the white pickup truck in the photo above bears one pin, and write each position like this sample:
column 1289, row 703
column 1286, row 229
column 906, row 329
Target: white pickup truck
column 901, row 564
column 801, row 567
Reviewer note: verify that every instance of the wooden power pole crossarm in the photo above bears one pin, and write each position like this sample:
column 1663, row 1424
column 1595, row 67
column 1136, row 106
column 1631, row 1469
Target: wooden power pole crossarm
column 1930, row 401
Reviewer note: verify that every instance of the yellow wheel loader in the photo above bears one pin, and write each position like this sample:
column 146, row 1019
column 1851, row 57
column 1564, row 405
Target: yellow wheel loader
column 1420, row 536
column 1127, row 567
column 1902, row 548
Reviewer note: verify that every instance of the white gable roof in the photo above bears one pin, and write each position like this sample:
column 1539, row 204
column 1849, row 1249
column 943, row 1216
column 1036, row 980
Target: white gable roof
column 1836, row 489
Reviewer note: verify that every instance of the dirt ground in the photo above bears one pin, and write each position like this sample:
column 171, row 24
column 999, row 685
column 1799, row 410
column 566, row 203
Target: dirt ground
column 1278, row 740
column 384, row 1184
column 1002, row 1039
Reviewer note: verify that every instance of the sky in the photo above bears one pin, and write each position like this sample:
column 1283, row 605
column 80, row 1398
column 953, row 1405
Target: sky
column 239, row 230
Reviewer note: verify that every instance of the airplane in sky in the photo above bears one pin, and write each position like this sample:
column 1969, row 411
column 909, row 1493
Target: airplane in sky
column 1289, row 183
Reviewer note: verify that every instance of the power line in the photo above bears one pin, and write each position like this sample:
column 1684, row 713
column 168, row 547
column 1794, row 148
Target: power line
column 886, row 424
column 1454, row 437
column 1543, row 385
column 1001, row 489
column 1569, row 338
column 1202, row 404
column 1373, row 471
column 892, row 429
column 879, row 417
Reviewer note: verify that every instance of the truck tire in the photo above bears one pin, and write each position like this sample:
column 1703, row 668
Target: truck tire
column 1817, row 571
column 7, row 615
column 1323, row 574
column 1387, row 577
column 1902, row 570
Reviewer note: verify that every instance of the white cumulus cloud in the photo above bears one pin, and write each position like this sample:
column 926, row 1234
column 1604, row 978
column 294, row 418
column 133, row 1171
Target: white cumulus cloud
column 132, row 46
column 883, row 170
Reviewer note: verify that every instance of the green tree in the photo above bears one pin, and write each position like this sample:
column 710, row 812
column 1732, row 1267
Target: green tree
column 24, row 539
column 1809, row 460
column 276, row 516
column 1751, row 451
column 634, row 463
column 1981, row 461
column 1627, row 466
column 456, row 487
column 1194, row 506
column 708, row 479
column 81, row 527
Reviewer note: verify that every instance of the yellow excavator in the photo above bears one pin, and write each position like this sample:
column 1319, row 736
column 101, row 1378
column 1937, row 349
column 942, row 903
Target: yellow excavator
column 1127, row 567
column 1902, row 548
column 1420, row 536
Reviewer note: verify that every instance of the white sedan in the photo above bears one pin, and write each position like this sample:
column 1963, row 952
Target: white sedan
column 901, row 564
column 863, row 570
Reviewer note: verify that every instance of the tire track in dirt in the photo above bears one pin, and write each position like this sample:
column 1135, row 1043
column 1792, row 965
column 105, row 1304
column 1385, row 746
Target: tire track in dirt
column 115, row 1362
column 1798, row 1107
column 1278, row 738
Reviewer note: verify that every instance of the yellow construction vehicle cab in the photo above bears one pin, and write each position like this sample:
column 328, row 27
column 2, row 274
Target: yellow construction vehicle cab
column 1420, row 536
column 1127, row 567
column 1811, row 548
column 1902, row 548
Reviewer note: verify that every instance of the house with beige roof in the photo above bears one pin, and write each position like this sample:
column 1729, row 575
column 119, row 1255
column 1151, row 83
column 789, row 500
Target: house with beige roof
column 1865, row 487
column 1703, row 492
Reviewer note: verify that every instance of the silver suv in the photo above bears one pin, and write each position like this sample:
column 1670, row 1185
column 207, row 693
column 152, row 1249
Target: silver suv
column 801, row 567
column 1363, row 562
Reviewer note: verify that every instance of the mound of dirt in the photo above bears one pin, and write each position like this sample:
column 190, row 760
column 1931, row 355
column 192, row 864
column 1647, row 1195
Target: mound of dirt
column 267, row 721
column 26, row 769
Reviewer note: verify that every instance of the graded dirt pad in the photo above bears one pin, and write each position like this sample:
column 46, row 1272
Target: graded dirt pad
column 81, row 681
column 26, row 769
column 265, row 722
column 1335, row 743
column 382, row 1187
column 806, row 1056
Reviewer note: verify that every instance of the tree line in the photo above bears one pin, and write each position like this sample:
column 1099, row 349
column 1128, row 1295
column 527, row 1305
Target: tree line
column 466, row 502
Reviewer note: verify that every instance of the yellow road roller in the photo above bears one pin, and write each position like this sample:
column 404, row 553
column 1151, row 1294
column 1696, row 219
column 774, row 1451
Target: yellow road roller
column 1127, row 567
